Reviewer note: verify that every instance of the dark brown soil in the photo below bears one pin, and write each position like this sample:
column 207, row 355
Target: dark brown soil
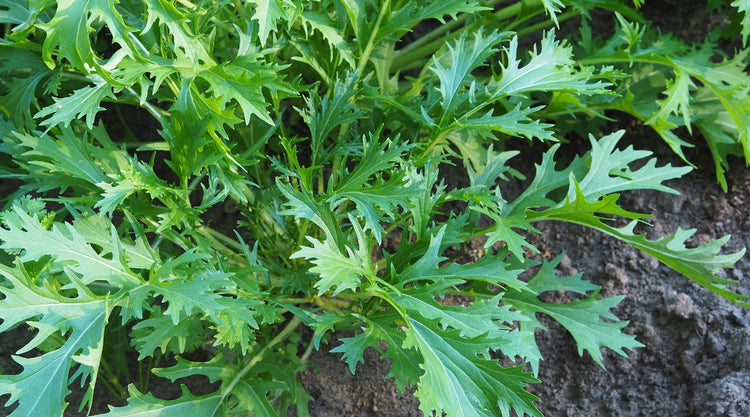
column 696, row 360
column 697, row 356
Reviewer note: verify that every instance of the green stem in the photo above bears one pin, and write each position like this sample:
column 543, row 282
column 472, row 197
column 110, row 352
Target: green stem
column 290, row 328
column 371, row 42
column 112, row 384
column 413, row 55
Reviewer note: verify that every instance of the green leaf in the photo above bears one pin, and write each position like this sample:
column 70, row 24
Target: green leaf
column 465, row 57
column 341, row 270
column 700, row 264
column 550, row 68
column 244, row 84
column 20, row 99
column 588, row 320
column 483, row 317
column 323, row 114
column 552, row 7
column 514, row 123
column 70, row 30
column 146, row 405
column 63, row 242
column 460, row 380
column 162, row 333
column 504, row 232
column 83, row 103
column 328, row 28
column 491, row 268
column 743, row 6
column 604, row 170
column 267, row 14
column 243, row 383
column 42, row 386
column 677, row 102
column 185, row 42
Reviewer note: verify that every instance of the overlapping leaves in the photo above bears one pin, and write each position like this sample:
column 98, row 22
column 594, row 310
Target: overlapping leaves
column 344, row 193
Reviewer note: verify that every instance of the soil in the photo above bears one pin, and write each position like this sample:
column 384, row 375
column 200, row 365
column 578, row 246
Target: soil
column 696, row 360
column 697, row 356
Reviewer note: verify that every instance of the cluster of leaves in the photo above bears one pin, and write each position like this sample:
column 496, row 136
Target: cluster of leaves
column 326, row 129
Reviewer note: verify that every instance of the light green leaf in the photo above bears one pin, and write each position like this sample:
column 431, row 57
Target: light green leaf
column 70, row 29
column 186, row 43
column 343, row 271
column 328, row 28
column 243, row 84
column 604, row 170
column 491, row 269
column 462, row 383
column 700, row 264
column 550, row 68
column 41, row 388
column 146, row 405
column 83, row 103
column 677, row 102
column 514, row 123
column 464, row 57
column 267, row 14
column 63, row 242
column 588, row 320
column 323, row 114
column 503, row 232
column 552, row 7
column 162, row 333
column 743, row 6
column 251, row 391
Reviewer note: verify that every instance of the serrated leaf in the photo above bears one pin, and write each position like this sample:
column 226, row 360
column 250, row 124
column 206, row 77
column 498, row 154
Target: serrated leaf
column 588, row 320
column 69, row 31
column 414, row 12
column 243, row 84
column 343, row 271
column 503, row 231
column 465, row 57
column 20, row 100
column 323, row 114
column 382, row 327
column 83, row 103
column 550, row 68
column 483, row 317
column 251, row 392
column 604, row 170
column 377, row 203
column 514, row 123
column 353, row 348
column 743, row 6
column 63, row 242
column 185, row 42
column 461, row 383
column 491, row 268
column 146, row 405
column 162, row 333
column 700, row 264
column 609, row 169
column 552, row 7
column 188, row 286
column 376, row 157
column 66, row 157
column 267, row 14
column 677, row 102
column 331, row 33
column 41, row 388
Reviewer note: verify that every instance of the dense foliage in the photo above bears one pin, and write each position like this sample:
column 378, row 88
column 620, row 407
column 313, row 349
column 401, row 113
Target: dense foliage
column 324, row 128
